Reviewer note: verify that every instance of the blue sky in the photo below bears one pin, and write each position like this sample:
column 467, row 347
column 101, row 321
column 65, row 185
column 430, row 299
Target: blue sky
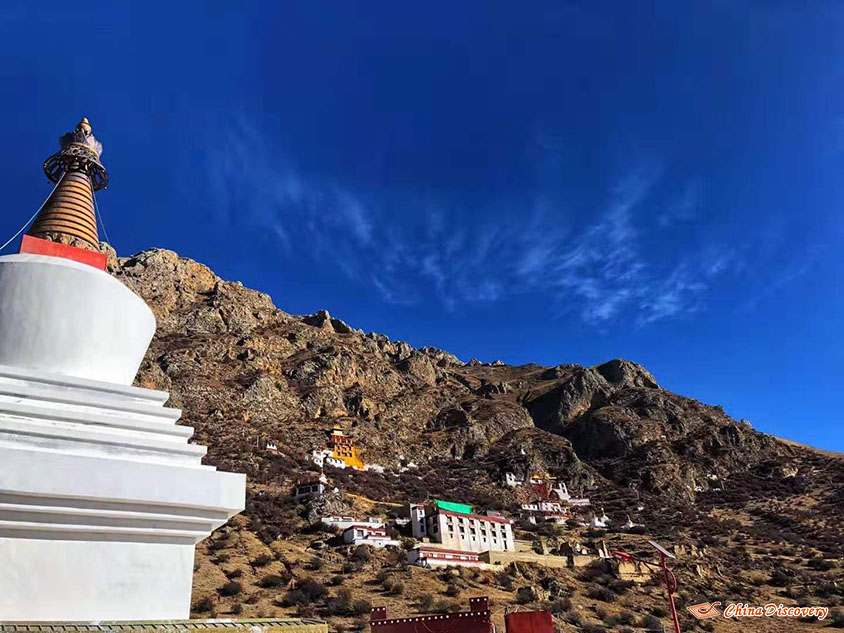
column 547, row 181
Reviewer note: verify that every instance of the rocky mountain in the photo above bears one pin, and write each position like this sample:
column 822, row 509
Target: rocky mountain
column 234, row 361
column 244, row 373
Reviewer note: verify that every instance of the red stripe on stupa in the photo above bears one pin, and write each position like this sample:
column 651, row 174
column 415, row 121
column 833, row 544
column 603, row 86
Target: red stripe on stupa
column 37, row 246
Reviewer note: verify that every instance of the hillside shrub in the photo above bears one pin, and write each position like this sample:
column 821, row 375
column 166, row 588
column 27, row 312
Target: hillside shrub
column 231, row 588
column 362, row 554
column 601, row 593
column 620, row 586
column 270, row 581
column 341, row 604
column 525, row 595
column 361, row 607
column 452, row 590
column 505, row 581
column 821, row 564
column 625, row 617
column 779, row 578
column 307, row 591
column 312, row 587
column 561, row 605
column 262, row 561
column 440, row 606
column 836, row 619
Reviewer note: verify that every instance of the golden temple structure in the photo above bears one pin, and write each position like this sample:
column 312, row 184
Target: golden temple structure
column 343, row 448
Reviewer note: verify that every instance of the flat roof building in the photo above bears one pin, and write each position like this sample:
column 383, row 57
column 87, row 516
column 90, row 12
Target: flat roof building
column 455, row 527
column 367, row 535
column 436, row 556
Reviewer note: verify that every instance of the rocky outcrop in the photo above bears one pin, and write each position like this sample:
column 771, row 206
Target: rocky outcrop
column 571, row 393
column 330, row 504
column 473, row 426
column 325, row 321
column 623, row 373
column 530, row 450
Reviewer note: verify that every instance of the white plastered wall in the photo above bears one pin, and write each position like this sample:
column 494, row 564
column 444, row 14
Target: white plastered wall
column 102, row 495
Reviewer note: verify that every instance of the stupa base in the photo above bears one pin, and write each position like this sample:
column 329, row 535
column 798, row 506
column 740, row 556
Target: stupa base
column 102, row 500
column 75, row 579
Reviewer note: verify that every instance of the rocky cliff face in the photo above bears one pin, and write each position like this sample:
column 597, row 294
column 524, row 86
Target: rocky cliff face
column 244, row 371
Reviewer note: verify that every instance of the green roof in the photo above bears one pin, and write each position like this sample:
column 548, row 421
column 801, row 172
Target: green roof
column 462, row 508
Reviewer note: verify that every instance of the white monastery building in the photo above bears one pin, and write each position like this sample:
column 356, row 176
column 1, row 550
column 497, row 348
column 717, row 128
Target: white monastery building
column 545, row 512
column 366, row 535
column 453, row 526
column 432, row 556
column 310, row 488
column 343, row 522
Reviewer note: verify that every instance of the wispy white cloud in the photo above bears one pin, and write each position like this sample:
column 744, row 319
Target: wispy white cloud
column 601, row 269
column 790, row 274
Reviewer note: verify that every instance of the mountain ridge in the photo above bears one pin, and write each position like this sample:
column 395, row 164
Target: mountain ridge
column 315, row 368
column 247, row 375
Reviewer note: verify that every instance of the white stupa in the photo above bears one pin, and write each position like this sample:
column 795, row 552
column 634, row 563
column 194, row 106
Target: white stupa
column 102, row 497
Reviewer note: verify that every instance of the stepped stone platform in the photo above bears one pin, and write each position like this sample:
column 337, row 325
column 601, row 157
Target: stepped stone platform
column 172, row 626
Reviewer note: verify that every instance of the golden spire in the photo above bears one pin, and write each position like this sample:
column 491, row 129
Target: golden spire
column 69, row 215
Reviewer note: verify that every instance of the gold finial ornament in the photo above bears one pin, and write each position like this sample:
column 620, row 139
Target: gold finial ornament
column 69, row 215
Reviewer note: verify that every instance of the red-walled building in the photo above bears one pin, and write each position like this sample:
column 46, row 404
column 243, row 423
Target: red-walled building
column 529, row 622
column 476, row 620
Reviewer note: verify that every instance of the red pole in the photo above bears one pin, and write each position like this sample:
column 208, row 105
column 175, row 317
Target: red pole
column 670, row 587
column 670, row 580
